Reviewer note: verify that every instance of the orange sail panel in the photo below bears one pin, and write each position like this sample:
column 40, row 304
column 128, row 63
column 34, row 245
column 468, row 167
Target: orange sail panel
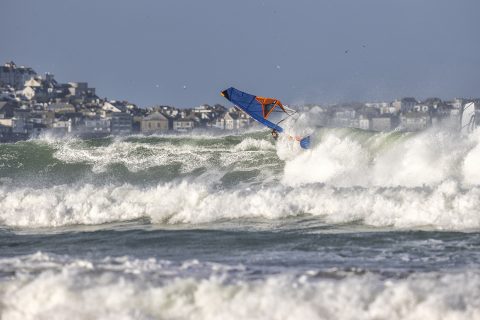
column 268, row 105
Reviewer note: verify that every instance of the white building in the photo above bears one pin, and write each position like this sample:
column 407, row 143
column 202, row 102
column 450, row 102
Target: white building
column 415, row 121
column 382, row 124
column 422, row 108
column 404, row 105
column 62, row 126
column 183, row 124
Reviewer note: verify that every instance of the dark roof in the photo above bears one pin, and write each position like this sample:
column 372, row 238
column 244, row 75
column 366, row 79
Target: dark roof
column 155, row 116
column 410, row 99
column 233, row 115
column 186, row 119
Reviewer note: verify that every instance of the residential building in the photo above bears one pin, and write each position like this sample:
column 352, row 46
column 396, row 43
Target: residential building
column 364, row 123
column 415, row 121
column 422, row 108
column 61, row 126
column 343, row 117
column 80, row 89
column 61, row 108
column 5, row 132
column 184, row 124
column 384, row 123
column 457, row 103
column 6, row 109
column 121, row 123
column 20, row 121
column 43, row 117
column 95, row 127
column 154, row 123
column 233, row 120
column 15, row 76
column 404, row 105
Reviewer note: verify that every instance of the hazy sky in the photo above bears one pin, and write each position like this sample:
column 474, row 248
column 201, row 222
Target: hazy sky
column 184, row 53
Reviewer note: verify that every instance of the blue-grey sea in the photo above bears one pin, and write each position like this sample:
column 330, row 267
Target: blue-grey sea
column 205, row 226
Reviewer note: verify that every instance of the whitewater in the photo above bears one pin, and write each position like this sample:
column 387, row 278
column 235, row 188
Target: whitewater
column 204, row 226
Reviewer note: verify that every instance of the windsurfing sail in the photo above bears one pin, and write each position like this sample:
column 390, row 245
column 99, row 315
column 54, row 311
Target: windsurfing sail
column 262, row 110
column 467, row 118
column 259, row 108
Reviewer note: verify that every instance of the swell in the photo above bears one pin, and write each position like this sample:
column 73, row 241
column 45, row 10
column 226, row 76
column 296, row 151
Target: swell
column 146, row 289
column 429, row 179
column 446, row 206
column 135, row 159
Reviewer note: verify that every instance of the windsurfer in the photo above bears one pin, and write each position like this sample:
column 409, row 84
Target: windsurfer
column 274, row 134
column 260, row 109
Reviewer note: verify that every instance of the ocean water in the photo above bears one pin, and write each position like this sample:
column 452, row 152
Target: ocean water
column 362, row 226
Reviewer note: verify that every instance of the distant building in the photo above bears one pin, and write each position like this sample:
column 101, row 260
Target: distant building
column 114, row 106
column 80, row 89
column 415, row 121
column 43, row 117
column 343, row 117
column 364, row 123
column 457, row 103
column 233, row 120
column 404, row 105
column 40, row 89
column 382, row 107
column 422, row 108
column 6, row 122
column 61, row 108
column 153, row 123
column 184, row 124
column 5, row 131
column 62, row 126
column 77, row 89
column 7, row 93
column 382, row 124
column 20, row 121
column 121, row 123
column 96, row 127
column 6, row 109
column 15, row 76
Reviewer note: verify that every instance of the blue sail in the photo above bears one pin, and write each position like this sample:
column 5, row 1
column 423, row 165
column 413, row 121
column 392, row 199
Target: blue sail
column 259, row 108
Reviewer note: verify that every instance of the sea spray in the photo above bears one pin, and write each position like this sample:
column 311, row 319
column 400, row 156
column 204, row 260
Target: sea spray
column 131, row 288
column 401, row 180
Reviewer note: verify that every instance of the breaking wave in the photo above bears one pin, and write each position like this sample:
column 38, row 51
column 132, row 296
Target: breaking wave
column 404, row 180
column 131, row 288
column 387, row 160
column 446, row 206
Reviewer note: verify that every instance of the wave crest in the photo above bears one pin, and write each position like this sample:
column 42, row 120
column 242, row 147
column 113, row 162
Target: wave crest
column 74, row 292
column 446, row 206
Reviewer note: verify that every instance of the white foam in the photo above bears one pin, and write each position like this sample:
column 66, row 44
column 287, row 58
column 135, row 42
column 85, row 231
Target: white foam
column 75, row 292
column 405, row 181
column 137, row 156
column 427, row 158
column 446, row 206
column 134, row 156
column 336, row 161
column 250, row 144
column 470, row 165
